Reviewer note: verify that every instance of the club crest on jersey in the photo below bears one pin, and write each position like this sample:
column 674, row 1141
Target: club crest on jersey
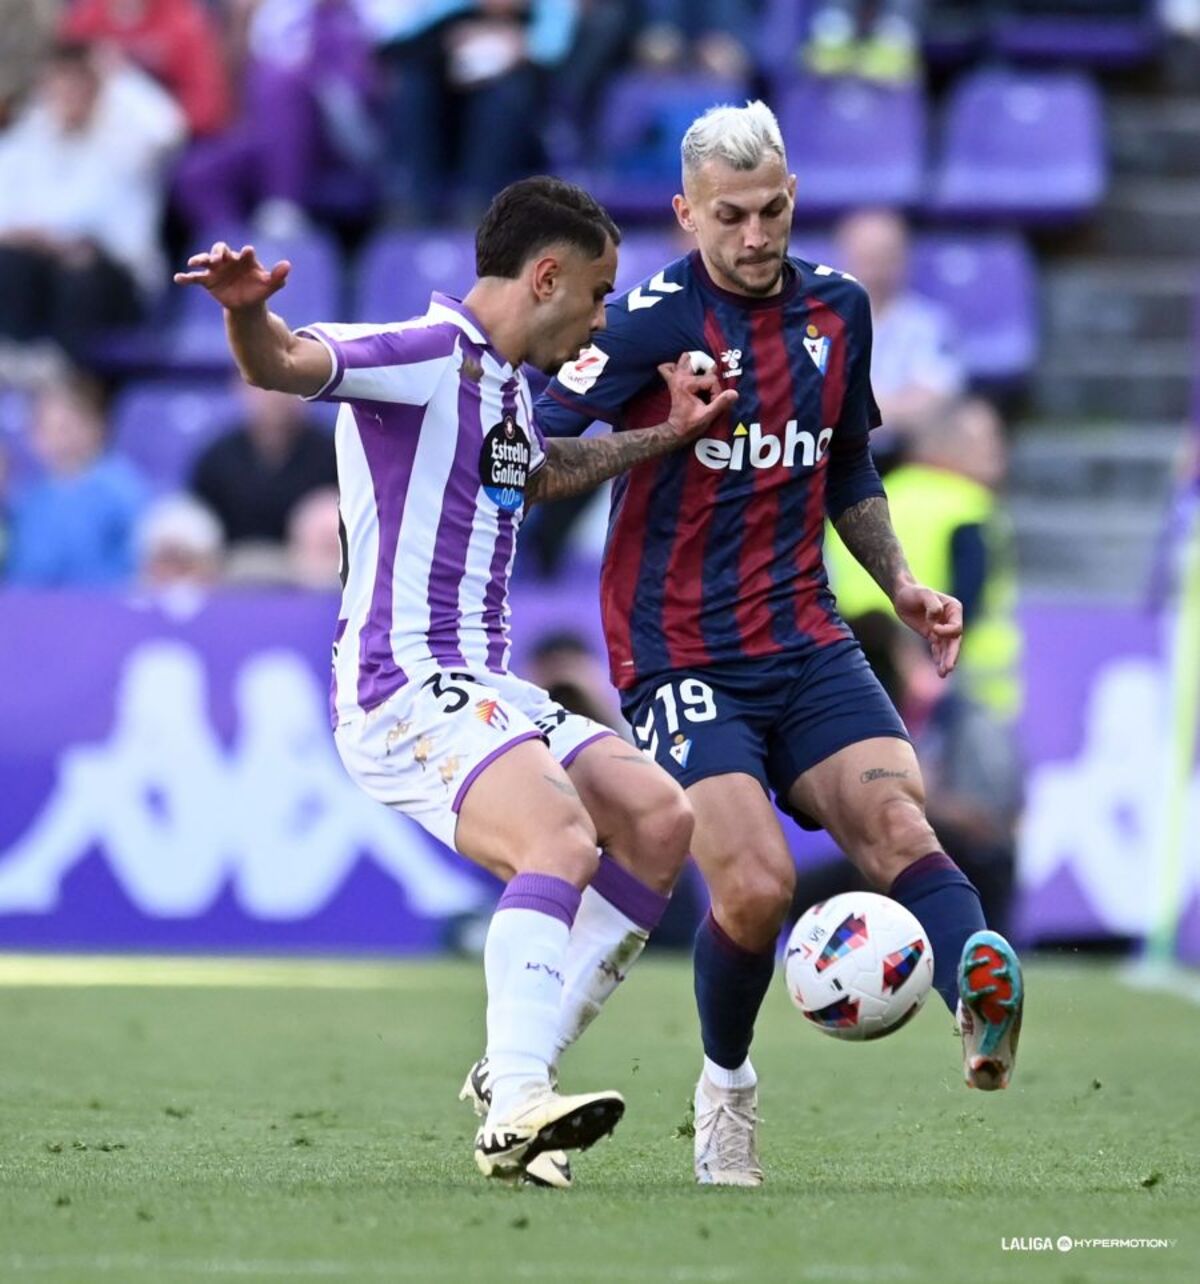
column 581, row 374
column 816, row 345
column 504, row 464
column 681, row 750
column 490, row 712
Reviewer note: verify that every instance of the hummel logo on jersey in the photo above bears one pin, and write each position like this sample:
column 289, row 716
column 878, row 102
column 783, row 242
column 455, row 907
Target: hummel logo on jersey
column 647, row 296
column 731, row 359
column 753, row 448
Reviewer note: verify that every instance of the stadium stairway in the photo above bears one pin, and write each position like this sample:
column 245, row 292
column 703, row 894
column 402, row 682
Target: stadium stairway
column 1115, row 383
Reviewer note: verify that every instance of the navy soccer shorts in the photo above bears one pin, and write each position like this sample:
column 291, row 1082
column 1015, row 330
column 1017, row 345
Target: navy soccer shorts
column 770, row 717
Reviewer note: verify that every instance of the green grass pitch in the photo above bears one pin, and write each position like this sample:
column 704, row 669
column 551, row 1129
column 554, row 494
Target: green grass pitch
column 297, row 1121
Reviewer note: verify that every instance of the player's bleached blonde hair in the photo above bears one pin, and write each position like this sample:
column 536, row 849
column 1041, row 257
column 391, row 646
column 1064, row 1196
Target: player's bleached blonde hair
column 740, row 136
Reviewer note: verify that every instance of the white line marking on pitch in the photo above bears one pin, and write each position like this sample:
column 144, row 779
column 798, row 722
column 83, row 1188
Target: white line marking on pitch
column 78, row 970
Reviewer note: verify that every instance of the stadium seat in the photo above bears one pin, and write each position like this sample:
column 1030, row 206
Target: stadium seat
column 1096, row 33
column 398, row 271
column 163, row 426
column 17, row 461
column 780, row 35
column 852, row 144
column 1021, row 144
column 987, row 283
column 313, row 293
column 643, row 119
column 644, row 253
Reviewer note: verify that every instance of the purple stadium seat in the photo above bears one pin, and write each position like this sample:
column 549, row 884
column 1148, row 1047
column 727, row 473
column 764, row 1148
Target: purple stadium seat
column 781, row 32
column 813, row 246
column 987, row 283
column 1027, row 145
column 196, row 342
column 16, row 453
column 644, row 117
column 1126, row 37
column 851, row 144
column 644, row 253
column 398, row 271
column 186, row 333
column 162, row 427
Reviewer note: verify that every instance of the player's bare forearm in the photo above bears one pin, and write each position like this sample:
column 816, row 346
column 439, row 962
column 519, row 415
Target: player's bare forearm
column 575, row 465
column 270, row 356
column 866, row 530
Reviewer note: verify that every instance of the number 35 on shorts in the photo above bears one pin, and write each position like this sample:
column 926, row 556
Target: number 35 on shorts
column 674, row 706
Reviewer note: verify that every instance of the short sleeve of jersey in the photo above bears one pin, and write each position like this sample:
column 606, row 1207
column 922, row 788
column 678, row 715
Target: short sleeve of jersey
column 642, row 330
column 860, row 413
column 395, row 363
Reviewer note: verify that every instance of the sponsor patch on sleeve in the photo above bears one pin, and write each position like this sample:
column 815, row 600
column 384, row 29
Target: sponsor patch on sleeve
column 581, row 374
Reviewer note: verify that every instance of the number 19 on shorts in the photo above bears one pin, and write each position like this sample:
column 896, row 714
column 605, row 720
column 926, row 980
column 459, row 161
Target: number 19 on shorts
column 675, row 704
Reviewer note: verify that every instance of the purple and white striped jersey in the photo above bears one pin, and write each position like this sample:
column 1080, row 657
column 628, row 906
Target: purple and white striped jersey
column 435, row 442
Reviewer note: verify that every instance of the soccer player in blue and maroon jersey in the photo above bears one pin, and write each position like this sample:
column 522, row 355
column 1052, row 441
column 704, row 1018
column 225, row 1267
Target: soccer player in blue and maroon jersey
column 735, row 669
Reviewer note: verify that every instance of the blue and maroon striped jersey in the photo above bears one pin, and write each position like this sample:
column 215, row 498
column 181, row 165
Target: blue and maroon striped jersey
column 714, row 552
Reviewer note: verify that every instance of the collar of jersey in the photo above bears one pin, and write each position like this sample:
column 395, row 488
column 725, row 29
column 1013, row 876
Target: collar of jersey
column 791, row 283
column 455, row 310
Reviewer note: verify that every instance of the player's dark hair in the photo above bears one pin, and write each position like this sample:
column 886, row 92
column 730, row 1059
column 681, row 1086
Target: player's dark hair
column 529, row 215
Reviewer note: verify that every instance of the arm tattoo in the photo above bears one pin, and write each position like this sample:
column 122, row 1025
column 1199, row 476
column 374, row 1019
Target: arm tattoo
column 866, row 530
column 573, row 466
column 882, row 773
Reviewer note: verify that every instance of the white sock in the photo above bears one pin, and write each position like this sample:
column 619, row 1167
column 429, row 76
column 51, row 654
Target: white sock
column 523, row 963
column 604, row 945
column 719, row 1077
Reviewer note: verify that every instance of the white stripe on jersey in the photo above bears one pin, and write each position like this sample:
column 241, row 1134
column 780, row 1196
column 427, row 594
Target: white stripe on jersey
column 422, row 532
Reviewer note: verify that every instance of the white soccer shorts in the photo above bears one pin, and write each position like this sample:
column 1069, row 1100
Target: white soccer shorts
column 421, row 750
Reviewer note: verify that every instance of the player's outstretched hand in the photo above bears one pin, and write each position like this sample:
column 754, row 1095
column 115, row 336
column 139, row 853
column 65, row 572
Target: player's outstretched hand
column 937, row 617
column 235, row 278
column 696, row 399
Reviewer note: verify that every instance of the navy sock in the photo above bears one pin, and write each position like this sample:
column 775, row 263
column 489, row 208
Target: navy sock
column 944, row 901
column 731, row 983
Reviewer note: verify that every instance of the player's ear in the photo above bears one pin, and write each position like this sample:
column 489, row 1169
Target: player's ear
column 544, row 276
column 683, row 213
column 791, row 187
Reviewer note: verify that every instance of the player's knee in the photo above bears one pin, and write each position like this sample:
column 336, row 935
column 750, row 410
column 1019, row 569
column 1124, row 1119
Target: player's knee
column 662, row 834
column 755, row 901
column 897, row 834
column 566, row 849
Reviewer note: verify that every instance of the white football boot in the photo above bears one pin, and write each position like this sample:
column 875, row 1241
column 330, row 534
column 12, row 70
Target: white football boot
column 991, row 1000
column 551, row 1167
column 541, row 1122
column 726, row 1135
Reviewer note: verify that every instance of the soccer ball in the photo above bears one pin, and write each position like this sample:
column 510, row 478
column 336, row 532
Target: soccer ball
column 858, row 966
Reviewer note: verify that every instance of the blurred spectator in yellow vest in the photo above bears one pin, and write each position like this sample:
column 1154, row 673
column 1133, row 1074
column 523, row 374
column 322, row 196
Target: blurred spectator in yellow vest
column 958, row 540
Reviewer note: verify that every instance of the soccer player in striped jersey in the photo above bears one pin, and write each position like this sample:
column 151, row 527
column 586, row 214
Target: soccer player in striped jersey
column 734, row 668
column 439, row 453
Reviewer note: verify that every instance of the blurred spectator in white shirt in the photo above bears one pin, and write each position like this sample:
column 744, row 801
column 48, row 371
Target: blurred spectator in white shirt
column 915, row 368
column 179, row 545
column 81, row 193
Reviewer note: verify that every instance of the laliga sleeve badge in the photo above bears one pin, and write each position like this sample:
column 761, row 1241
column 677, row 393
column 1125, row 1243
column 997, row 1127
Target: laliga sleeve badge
column 504, row 464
